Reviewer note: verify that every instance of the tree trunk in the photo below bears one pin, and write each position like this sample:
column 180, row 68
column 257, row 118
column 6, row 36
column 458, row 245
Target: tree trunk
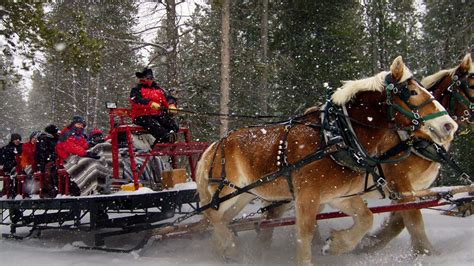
column 87, row 100
column 96, row 101
column 172, row 42
column 264, row 79
column 74, row 94
column 225, row 65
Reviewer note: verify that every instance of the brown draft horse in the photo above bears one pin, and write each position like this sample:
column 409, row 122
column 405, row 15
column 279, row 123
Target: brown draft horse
column 248, row 154
column 454, row 89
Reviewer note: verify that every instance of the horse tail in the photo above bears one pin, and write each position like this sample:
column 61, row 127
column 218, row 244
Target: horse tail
column 202, row 173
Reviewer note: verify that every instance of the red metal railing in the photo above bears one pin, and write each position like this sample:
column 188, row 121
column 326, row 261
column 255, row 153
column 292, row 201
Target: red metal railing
column 185, row 148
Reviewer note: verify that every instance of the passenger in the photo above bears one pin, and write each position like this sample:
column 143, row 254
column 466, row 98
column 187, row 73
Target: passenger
column 8, row 153
column 73, row 142
column 150, row 106
column 28, row 151
column 96, row 137
column 45, row 156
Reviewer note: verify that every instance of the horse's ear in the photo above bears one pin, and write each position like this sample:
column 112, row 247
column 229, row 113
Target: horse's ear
column 465, row 63
column 397, row 68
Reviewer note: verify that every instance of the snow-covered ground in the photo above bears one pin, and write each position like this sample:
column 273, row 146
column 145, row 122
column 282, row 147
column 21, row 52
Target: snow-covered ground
column 453, row 237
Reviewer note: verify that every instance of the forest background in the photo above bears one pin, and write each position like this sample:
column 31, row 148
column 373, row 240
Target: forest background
column 280, row 54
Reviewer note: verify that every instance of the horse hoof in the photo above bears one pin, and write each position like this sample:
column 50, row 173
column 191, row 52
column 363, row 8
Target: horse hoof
column 327, row 247
column 368, row 244
column 425, row 252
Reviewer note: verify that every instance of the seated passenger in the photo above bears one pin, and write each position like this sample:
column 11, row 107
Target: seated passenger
column 8, row 153
column 96, row 137
column 45, row 156
column 8, row 159
column 149, row 108
column 28, row 151
column 73, row 142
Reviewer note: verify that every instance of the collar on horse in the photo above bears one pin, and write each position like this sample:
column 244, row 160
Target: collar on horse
column 431, row 151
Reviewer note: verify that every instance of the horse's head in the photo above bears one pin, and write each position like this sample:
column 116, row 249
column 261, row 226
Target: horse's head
column 454, row 88
column 408, row 105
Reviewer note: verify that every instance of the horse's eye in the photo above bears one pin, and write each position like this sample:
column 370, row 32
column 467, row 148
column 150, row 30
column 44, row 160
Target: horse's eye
column 413, row 93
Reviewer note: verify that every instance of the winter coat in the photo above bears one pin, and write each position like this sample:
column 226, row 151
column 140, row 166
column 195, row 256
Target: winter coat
column 8, row 155
column 28, row 155
column 71, row 142
column 143, row 95
column 45, row 150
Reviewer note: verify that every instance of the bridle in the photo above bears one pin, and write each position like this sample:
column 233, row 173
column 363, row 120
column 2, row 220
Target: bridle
column 401, row 90
column 457, row 93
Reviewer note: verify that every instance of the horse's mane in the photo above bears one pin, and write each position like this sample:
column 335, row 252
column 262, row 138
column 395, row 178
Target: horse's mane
column 350, row 88
column 429, row 81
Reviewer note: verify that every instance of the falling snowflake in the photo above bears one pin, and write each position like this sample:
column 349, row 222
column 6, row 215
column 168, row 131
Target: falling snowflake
column 60, row 46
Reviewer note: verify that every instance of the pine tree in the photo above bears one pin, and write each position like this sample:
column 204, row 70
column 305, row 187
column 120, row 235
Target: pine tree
column 392, row 31
column 448, row 33
column 90, row 63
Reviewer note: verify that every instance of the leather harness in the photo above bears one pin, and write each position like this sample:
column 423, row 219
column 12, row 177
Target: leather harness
column 342, row 145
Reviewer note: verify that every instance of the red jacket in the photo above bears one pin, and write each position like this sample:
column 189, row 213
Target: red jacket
column 71, row 142
column 28, row 155
column 143, row 95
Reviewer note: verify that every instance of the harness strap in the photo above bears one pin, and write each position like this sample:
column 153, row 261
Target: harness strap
column 318, row 155
column 282, row 157
column 402, row 146
column 440, row 156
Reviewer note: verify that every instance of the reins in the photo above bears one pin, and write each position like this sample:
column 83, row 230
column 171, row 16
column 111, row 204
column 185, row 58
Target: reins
column 371, row 164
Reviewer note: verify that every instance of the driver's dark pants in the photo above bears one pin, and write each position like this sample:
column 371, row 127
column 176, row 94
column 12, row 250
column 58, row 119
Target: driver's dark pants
column 158, row 126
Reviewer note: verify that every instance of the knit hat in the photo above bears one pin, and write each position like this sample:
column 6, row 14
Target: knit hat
column 35, row 134
column 146, row 73
column 96, row 131
column 51, row 129
column 78, row 119
column 15, row 136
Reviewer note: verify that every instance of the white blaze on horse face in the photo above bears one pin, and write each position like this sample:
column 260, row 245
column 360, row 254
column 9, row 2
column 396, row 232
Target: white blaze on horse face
column 441, row 129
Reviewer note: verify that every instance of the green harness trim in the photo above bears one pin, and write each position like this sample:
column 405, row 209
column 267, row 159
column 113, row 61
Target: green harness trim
column 455, row 96
column 413, row 114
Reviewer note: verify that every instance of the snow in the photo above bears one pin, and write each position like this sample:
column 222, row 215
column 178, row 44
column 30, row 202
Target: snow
column 453, row 237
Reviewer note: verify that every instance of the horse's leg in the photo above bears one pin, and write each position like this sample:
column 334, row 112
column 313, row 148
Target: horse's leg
column 264, row 236
column 413, row 221
column 390, row 228
column 346, row 240
column 317, row 239
column 243, row 200
column 223, row 237
column 306, row 208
